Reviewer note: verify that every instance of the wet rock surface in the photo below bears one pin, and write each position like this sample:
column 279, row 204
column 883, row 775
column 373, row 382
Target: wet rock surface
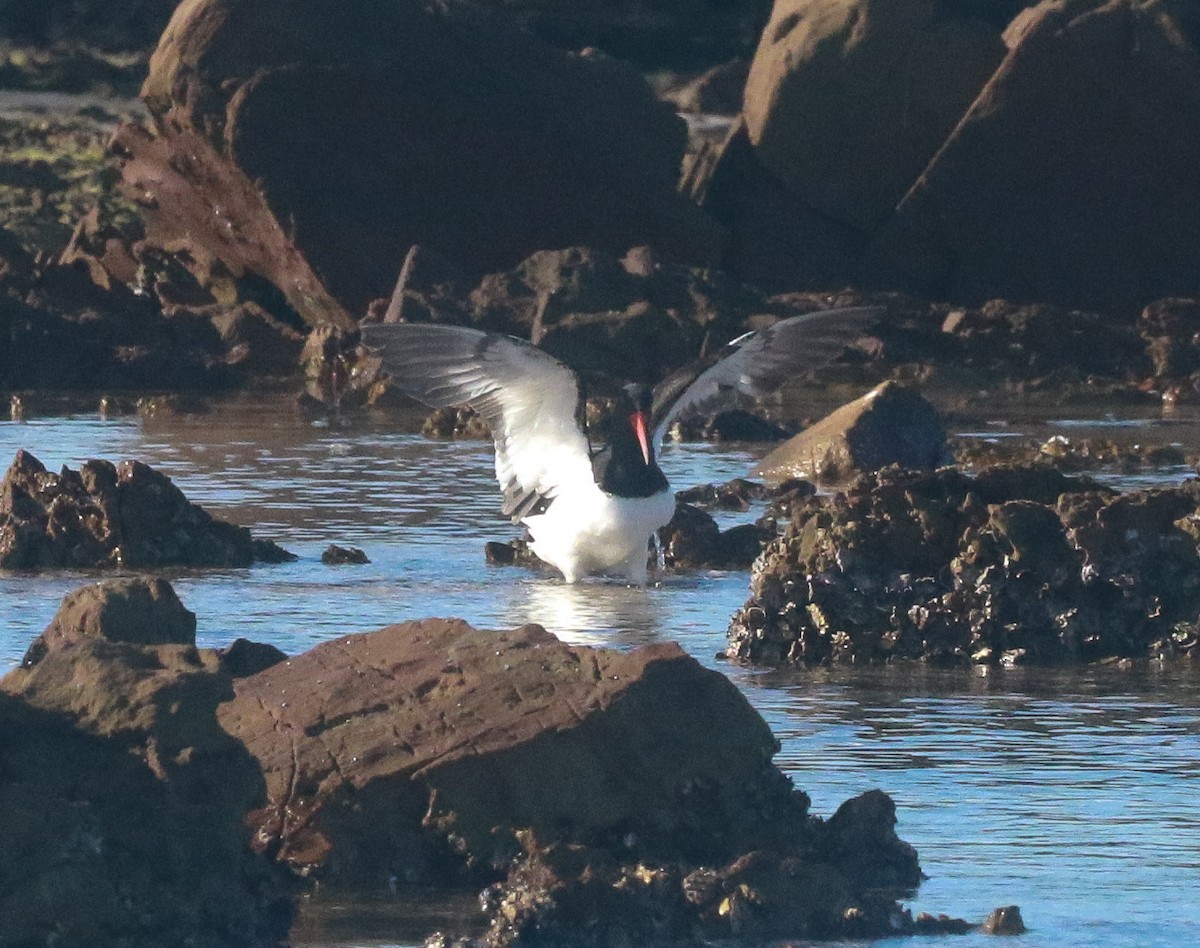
column 336, row 555
column 107, row 515
column 1015, row 564
column 692, row 540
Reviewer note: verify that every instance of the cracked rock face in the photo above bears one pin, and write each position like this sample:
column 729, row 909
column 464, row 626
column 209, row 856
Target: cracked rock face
column 417, row 751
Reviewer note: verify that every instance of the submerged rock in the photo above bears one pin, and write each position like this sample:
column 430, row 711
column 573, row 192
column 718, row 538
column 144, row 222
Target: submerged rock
column 1016, row 564
column 107, row 515
column 335, row 555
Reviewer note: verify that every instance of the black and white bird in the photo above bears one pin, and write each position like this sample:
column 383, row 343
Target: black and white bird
column 592, row 500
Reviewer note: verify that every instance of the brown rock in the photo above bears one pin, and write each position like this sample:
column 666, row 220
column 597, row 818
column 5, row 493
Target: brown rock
column 1004, row 921
column 716, row 91
column 1072, row 179
column 776, row 239
column 139, row 610
column 407, row 115
column 106, row 515
column 432, row 730
column 847, row 100
column 335, row 555
column 122, row 803
column 891, row 424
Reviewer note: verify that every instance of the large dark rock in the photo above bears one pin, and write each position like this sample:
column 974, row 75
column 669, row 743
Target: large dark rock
column 676, row 34
column 1016, row 564
column 776, row 239
column 408, row 114
column 122, row 804
column 123, row 27
column 106, row 515
column 834, row 80
column 1072, row 179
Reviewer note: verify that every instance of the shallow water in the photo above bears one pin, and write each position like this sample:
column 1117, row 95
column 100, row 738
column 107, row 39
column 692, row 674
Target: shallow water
column 1072, row 795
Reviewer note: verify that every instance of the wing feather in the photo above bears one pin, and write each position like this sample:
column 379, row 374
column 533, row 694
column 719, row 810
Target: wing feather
column 758, row 363
column 527, row 397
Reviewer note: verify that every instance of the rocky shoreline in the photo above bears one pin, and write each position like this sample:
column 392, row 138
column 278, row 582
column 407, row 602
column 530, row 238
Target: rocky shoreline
column 1013, row 184
column 631, row 793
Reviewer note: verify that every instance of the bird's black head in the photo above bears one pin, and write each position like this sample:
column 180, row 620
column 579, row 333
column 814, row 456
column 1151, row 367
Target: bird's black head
column 627, row 466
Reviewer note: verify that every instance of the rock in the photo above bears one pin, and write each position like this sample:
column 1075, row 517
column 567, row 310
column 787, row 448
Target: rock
column 128, row 27
column 122, row 804
column 636, row 317
column 653, row 34
column 106, row 515
column 430, row 289
column 736, row 425
column 832, row 79
column 716, row 91
column 1041, row 344
column 335, row 555
column 1004, row 921
column 243, row 658
column 1171, row 328
column 139, row 610
column 1105, row 91
column 155, row 793
column 512, row 553
column 735, row 495
column 891, row 424
column 590, row 156
column 428, row 731
column 692, row 540
column 257, row 342
column 595, row 789
column 455, row 423
column 1017, row 564
column 775, row 238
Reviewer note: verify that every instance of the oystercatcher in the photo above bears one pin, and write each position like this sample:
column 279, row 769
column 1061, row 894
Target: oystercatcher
column 592, row 500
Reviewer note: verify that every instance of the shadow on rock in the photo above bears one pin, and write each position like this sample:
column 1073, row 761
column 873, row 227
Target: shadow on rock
column 122, row 800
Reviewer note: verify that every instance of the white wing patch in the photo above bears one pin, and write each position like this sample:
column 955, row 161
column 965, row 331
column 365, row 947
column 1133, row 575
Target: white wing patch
column 527, row 397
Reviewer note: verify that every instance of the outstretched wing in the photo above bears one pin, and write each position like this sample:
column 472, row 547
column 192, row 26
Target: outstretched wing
column 757, row 363
column 528, row 398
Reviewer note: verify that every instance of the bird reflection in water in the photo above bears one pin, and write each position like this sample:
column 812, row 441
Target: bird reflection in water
column 595, row 612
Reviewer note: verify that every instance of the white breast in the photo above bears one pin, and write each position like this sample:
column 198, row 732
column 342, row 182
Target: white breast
column 587, row 531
